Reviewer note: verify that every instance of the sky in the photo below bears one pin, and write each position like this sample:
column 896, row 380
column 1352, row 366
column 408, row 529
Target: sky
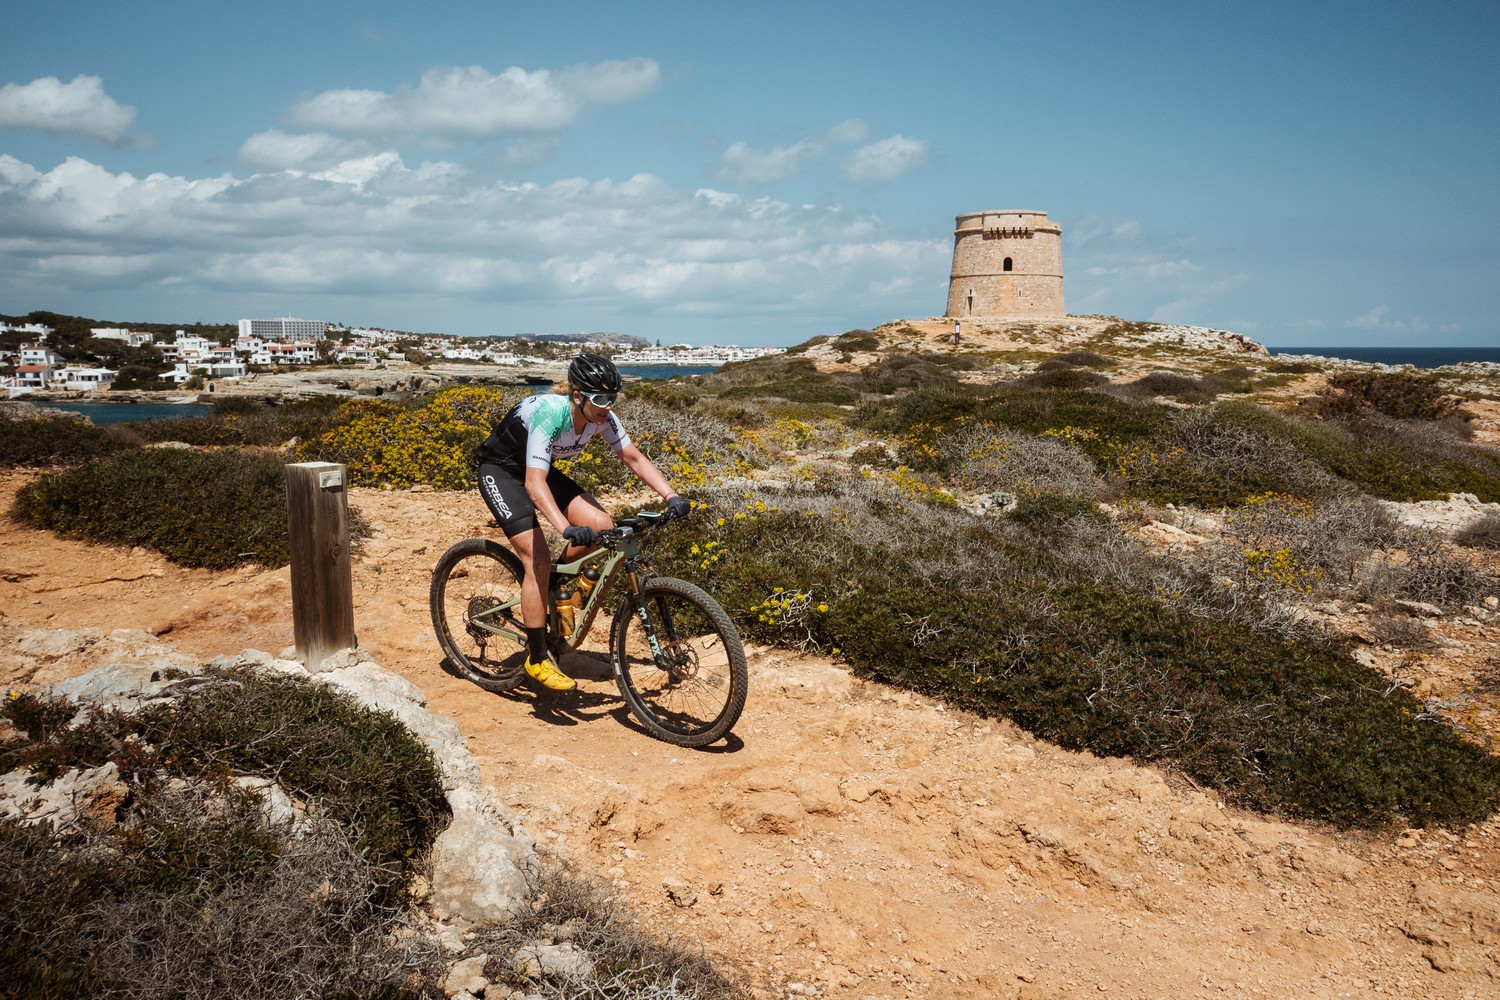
column 1306, row 174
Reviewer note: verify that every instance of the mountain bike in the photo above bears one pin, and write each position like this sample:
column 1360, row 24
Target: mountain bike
column 676, row 656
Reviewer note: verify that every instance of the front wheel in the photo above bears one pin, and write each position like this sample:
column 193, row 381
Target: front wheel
column 475, row 601
column 679, row 662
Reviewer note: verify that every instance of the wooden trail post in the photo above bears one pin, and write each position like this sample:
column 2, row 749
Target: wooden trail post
column 317, row 506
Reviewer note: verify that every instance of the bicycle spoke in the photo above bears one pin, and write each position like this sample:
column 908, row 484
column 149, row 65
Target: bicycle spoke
column 475, row 590
column 689, row 686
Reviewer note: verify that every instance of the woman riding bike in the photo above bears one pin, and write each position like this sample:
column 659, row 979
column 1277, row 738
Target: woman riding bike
column 517, row 480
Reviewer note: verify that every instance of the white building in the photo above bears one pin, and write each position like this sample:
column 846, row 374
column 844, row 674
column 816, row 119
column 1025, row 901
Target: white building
column 214, row 369
column 287, row 328
column 297, row 353
column 33, row 376
column 85, row 379
column 36, row 354
column 38, row 330
column 130, row 337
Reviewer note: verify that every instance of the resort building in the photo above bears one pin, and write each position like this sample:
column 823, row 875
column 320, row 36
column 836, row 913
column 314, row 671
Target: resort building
column 287, row 328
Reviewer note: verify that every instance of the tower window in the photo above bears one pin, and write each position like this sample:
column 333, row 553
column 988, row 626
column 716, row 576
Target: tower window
column 1006, row 265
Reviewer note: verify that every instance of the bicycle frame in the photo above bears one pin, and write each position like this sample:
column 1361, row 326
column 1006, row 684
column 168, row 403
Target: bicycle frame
column 618, row 546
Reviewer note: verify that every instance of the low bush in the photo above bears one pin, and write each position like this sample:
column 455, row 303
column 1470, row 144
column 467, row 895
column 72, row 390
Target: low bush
column 204, row 509
column 986, row 459
column 1087, row 641
column 1403, row 395
column 630, row 959
column 857, row 340
column 1174, row 384
column 1483, row 533
column 1063, row 378
column 47, row 441
column 192, row 892
column 1048, row 512
column 244, row 420
column 1086, row 359
column 397, row 445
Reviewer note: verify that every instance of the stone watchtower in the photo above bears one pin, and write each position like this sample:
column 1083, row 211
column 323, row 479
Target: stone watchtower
column 1006, row 265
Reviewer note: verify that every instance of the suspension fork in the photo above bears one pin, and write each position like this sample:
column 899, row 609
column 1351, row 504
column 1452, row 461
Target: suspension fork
column 636, row 579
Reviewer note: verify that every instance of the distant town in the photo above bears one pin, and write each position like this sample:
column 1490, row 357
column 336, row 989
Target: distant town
column 46, row 351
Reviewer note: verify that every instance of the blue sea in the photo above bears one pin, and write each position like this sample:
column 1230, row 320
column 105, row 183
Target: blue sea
column 103, row 414
column 664, row 372
column 1418, row 357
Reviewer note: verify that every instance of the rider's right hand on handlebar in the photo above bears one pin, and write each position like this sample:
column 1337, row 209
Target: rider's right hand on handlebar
column 581, row 534
column 678, row 507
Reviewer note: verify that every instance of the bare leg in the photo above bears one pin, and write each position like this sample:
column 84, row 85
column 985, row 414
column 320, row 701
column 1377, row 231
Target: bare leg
column 536, row 560
column 585, row 510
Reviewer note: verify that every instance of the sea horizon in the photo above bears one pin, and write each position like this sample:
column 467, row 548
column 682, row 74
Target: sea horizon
column 1417, row 357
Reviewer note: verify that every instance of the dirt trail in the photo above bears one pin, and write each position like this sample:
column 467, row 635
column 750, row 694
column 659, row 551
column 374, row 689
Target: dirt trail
column 853, row 840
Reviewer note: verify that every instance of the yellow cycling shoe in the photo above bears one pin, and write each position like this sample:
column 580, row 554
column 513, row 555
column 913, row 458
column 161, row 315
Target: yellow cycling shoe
column 549, row 676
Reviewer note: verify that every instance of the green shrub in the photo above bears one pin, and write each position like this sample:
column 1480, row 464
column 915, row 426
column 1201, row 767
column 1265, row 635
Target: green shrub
column 1063, row 379
column 1051, row 511
column 1082, row 639
column 857, row 340
column 44, row 441
column 204, row 509
column 1172, row 384
column 431, row 443
column 1086, row 359
column 191, row 892
column 1403, row 395
column 244, row 420
column 1388, row 459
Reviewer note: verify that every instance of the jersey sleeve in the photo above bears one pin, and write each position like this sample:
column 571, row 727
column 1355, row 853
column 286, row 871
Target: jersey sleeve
column 614, row 434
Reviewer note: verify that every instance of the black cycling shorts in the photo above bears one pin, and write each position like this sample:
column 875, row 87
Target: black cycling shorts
column 505, row 495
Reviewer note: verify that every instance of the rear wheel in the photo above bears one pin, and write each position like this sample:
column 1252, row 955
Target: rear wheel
column 690, row 688
column 476, row 588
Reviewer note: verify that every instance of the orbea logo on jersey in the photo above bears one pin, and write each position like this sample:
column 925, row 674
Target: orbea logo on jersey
column 492, row 490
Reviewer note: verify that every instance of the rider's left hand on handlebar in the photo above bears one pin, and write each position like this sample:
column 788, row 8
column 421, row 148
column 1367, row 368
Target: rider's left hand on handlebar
column 581, row 534
column 678, row 507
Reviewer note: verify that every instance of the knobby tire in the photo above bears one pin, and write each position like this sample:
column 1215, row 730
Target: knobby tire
column 472, row 577
column 695, row 696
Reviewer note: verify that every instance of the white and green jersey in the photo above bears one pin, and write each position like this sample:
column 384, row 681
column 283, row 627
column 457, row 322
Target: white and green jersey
column 539, row 430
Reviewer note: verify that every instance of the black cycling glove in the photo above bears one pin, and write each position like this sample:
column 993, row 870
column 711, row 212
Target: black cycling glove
column 581, row 534
column 678, row 507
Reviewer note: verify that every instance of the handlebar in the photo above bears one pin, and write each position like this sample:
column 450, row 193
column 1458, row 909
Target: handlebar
column 641, row 521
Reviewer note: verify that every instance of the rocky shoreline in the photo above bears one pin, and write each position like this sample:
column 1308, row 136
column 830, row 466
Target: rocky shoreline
column 398, row 378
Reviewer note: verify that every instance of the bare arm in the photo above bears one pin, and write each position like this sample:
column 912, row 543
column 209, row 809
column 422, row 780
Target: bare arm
column 647, row 471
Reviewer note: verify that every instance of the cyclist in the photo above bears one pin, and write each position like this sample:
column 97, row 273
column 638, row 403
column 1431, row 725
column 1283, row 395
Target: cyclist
column 518, row 481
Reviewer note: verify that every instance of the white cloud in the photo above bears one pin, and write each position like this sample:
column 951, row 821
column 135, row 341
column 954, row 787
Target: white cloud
column 452, row 104
column 1123, row 268
column 78, row 108
column 374, row 227
column 887, row 159
column 1380, row 318
column 1375, row 320
column 744, row 164
column 278, row 150
column 750, row 166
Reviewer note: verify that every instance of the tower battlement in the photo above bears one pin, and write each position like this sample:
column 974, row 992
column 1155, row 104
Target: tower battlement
column 1007, row 264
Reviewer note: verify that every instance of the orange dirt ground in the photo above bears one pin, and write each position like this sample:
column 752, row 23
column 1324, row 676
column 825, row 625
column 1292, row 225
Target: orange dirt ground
column 852, row 840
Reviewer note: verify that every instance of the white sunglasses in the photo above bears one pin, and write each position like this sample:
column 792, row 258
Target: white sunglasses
column 600, row 398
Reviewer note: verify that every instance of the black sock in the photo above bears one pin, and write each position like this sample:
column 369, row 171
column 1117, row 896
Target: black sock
column 536, row 643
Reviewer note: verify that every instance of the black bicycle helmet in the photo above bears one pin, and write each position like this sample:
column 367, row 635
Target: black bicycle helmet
column 594, row 373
